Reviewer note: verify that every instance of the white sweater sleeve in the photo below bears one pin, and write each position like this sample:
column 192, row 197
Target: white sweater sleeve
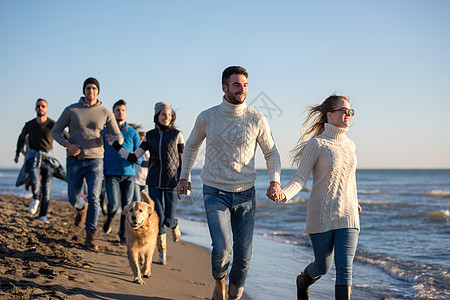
column 271, row 155
column 307, row 162
column 192, row 146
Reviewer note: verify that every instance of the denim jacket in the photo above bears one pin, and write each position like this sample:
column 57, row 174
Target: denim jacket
column 38, row 157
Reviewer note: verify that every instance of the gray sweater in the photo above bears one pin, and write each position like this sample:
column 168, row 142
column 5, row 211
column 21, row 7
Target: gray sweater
column 86, row 123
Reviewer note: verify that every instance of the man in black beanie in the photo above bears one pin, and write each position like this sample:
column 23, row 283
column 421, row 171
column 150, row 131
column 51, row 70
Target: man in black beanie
column 86, row 120
column 91, row 80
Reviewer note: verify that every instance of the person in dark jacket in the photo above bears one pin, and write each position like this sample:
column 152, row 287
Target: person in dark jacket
column 166, row 145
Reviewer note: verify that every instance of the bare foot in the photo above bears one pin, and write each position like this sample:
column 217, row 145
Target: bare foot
column 219, row 292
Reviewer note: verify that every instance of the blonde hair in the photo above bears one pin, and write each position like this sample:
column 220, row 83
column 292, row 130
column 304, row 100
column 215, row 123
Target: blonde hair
column 314, row 124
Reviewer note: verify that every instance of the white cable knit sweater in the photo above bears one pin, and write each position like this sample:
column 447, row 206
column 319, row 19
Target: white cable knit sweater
column 333, row 203
column 231, row 132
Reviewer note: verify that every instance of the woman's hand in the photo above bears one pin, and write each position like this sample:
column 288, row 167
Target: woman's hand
column 274, row 192
column 182, row 188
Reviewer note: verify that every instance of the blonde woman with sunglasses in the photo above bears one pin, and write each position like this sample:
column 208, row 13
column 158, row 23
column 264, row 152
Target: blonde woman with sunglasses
column 333, row 210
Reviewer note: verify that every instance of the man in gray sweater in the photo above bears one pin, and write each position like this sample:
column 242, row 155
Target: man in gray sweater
column 86, row 120
column 232, row 130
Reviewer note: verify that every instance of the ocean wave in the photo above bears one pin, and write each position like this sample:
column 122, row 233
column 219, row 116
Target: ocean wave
column 11, row 176
column 372, row 192
column 298, row 239
column 439, row 193
column 371, row 202
column 429, row 281
column 286, row 233
column 439, row 215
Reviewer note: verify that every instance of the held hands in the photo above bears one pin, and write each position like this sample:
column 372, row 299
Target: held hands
column 275, row 193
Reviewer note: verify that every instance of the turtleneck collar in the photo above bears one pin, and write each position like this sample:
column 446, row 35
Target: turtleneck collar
column 335, row 133
column 163, row 127
column 232, row 109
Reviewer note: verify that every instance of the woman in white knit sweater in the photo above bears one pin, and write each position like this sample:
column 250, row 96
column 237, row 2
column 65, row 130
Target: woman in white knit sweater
column 333, row 210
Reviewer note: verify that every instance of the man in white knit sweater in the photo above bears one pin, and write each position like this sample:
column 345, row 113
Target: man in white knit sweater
column 232, row 130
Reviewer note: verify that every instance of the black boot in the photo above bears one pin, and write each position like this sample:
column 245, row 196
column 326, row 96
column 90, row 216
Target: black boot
column 342, row 292
column 303, row 283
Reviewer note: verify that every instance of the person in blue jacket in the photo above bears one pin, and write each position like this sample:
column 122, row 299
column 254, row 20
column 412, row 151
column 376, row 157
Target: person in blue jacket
column 166, row 145
column 119, row 173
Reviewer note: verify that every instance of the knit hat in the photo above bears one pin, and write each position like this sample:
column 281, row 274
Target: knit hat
column 160, row 106
column 93, row 81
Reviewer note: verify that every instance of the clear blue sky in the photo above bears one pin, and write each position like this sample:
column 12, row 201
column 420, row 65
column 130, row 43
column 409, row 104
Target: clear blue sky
column 391, row 57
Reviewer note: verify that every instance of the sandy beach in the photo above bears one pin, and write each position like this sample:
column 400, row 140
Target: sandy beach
column 49, row 261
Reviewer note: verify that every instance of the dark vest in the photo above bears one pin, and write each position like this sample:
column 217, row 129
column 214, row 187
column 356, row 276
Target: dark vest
column 165, row 159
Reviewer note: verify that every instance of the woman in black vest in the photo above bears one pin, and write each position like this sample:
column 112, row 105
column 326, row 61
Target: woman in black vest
column 165, row 144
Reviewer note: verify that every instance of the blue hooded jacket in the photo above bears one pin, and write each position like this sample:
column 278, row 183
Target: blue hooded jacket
column 114, row 163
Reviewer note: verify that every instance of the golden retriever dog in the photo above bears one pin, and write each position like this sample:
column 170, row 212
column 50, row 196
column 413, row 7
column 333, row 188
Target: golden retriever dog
column 141, row 227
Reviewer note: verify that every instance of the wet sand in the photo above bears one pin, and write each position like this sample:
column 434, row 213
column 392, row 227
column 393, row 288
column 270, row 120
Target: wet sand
column 49, row 261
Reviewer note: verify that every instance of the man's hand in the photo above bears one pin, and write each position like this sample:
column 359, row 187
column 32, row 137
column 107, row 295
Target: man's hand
column 110, row 138
column 182, row 188
column 274, row 192
column 72, row 148
column 16, row 159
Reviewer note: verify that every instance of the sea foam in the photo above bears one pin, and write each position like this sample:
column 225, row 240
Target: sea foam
column 439, row 193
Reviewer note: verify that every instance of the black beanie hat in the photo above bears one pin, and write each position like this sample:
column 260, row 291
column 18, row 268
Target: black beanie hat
column 93, row 81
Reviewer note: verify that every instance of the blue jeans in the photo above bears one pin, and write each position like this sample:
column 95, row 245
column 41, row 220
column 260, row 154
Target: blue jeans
column 137, row 192
column 120, row 190
column 91, row 171
column 341, row 242
column 231, row 219
column 165, row 206
column 40, row 186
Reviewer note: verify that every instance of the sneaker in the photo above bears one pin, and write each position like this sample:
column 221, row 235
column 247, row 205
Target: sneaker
column 44, row 219
column 33, row 206
column 107, row 225
column 123, row 240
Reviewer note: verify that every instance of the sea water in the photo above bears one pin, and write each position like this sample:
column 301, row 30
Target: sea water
column 403, row 248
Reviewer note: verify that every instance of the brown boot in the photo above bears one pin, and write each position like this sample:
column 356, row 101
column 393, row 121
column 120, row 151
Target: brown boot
column 162, row 249
column 81, row 215
column 176, row 234
column 90, row 243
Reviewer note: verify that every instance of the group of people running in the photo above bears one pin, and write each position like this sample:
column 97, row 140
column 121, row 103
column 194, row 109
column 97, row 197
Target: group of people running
column 92, row 161
column 232, row 131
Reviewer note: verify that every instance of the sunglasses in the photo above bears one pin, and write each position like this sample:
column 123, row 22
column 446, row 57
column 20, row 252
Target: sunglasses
column 37, row 105
column 347, row 111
